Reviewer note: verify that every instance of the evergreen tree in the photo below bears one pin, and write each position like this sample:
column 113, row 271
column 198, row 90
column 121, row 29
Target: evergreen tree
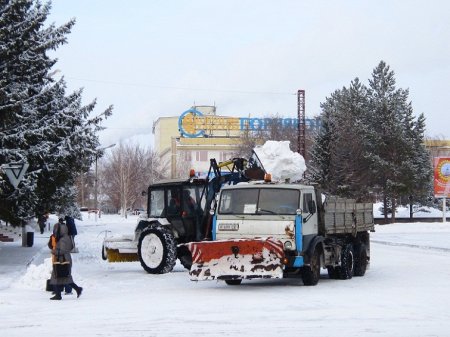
column 338, row 153
column 371, row 142
column 39, row 124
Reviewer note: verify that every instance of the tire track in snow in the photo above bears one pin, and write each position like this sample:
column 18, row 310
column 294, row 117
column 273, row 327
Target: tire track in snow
column 409, row 245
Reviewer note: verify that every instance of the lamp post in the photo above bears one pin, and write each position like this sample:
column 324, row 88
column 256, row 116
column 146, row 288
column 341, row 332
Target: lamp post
column 97, row 211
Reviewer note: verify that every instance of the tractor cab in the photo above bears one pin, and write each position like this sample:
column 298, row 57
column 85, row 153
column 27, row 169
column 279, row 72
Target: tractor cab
column 180, row 201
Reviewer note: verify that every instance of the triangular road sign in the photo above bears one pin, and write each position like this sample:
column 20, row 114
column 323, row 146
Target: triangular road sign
column 15, row 172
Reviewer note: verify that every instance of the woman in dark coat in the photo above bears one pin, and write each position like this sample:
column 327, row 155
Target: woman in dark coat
column 62, row 246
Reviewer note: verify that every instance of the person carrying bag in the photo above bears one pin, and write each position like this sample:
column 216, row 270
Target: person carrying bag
column 62, row 245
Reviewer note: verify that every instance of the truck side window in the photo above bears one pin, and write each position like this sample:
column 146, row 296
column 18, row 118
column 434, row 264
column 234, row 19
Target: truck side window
column 307, row 198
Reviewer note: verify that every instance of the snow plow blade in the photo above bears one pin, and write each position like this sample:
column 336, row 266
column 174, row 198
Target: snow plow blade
column 236, row 259
column 120, row 249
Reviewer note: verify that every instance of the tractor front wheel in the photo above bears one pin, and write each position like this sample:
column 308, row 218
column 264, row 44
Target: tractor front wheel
column 157, row 250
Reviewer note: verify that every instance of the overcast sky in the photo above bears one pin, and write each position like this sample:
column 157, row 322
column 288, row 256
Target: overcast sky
column 158, row 58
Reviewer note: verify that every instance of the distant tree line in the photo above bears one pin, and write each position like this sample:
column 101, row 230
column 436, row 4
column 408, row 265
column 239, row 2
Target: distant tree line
column 125, row 173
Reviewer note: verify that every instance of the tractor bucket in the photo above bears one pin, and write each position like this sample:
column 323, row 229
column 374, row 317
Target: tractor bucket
column 236, row 259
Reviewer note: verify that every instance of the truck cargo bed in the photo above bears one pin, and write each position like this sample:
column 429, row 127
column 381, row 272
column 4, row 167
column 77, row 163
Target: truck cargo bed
column 345, row 216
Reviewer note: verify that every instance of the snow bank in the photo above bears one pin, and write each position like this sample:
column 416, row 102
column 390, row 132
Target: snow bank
column 35, row 276
column 280, row 161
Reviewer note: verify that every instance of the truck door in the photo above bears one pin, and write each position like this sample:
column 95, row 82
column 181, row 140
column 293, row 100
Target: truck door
column 309, row 213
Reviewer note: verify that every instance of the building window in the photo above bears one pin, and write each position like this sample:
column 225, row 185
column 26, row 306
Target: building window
column 224, row 156
column 188, row 156
column 201, row 155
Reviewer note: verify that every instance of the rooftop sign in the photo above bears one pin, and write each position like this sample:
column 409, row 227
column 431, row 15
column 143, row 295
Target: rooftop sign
column 192, row 123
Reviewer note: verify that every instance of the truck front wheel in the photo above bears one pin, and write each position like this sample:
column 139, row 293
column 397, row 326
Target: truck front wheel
column 157, row 250
column 311, row 273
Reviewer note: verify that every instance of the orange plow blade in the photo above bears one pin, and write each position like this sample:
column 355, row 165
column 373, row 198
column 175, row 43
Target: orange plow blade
column 236, row 259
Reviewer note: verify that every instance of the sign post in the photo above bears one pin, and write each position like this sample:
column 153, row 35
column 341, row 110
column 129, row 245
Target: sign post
column 442, row 181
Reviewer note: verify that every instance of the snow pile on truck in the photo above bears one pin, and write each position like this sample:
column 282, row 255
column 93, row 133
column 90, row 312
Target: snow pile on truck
column 280, row 161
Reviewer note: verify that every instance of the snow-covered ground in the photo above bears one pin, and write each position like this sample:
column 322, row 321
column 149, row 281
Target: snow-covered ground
column 406, row 292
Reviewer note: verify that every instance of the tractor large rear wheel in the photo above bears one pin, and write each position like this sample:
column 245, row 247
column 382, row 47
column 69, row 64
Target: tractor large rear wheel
column 157, row 250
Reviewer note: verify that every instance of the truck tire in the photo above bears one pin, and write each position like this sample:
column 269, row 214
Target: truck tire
column 347, row 263
column 157, row 250
column 185, row 257
column 311, row 273
column 360, row 260
column 333, row 273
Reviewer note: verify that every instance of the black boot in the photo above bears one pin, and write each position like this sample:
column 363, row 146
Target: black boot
column 56, row 297
column 78, row 289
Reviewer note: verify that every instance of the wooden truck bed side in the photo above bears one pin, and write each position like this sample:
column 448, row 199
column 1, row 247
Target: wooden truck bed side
column 346, row 216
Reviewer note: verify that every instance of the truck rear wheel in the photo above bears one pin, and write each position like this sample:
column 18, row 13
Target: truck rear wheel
column 346, row 268
column 360, row 260
column 311, row 273
column 157, row 250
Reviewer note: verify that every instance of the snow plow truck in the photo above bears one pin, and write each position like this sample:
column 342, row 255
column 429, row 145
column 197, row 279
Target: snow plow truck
column 277, row 230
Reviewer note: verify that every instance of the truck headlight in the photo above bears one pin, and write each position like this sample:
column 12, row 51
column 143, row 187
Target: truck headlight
column 288, row 245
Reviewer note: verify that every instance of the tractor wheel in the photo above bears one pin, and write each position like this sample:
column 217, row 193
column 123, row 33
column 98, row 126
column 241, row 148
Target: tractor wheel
column 311, row 273
column 185, row 257
column 360, row 260
column 346, row 268
column 104, row 255
column 157, row 250
column 233, row 282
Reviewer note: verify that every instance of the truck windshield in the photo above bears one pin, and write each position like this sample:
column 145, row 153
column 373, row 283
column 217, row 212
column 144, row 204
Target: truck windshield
column 259, row 201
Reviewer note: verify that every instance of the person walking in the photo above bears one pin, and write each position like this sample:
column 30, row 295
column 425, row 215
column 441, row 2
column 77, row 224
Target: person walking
column 42, row 220
column 62, row 245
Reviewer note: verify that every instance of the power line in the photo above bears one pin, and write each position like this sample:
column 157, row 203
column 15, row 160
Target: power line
column 180, row 88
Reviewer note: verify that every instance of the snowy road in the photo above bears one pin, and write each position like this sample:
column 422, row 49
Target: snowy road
column 404, row 293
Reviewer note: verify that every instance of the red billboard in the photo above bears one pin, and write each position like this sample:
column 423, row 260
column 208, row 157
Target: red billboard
column 442, row 177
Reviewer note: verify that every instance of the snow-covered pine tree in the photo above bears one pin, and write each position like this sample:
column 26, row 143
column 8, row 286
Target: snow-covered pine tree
column 339, row 151
column 38, row 123
column 399, row 162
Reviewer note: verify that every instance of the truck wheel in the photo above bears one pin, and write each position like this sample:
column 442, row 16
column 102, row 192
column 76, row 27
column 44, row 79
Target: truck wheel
column 360, row 260
column 346, row 268
column 333, row 273
column 233, row 282
column 185, row 257
column 311, row 273
column 157, row 250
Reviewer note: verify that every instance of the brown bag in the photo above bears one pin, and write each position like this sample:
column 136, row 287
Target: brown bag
column 50, row 243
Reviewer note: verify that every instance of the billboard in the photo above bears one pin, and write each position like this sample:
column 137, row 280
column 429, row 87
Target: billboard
column 442, row 177
column 192, row 123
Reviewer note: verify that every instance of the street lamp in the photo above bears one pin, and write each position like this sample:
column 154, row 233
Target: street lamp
column 97, row 211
